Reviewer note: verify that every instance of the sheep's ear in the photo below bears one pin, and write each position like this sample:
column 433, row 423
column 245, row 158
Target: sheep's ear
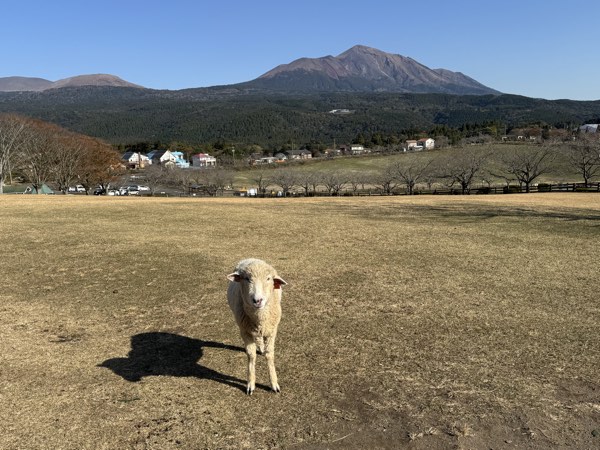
column 234, row 277
column 278, row 282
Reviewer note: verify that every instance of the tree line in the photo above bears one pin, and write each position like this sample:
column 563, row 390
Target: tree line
column 126, row 116
column 40, row 152
column 458, row 170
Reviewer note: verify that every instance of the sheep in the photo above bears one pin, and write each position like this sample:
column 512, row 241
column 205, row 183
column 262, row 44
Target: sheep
column 254, row 296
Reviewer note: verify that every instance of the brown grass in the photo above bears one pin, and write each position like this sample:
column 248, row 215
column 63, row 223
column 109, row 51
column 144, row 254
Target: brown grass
column 421, row 322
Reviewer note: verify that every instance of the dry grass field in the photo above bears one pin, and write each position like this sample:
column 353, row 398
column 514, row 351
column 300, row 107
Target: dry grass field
column 422, row 323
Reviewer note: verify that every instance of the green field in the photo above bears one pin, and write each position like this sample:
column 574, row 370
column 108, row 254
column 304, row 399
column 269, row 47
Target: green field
column 423, row 322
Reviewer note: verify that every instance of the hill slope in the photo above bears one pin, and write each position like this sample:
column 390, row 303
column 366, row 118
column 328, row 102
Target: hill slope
column 121, row 115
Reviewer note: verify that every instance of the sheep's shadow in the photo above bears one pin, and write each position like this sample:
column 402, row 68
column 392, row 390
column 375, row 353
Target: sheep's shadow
column 167, row 354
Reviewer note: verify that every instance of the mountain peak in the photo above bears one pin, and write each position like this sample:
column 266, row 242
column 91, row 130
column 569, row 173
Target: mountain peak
column 367, row 69
column 361, row 49
column 39, row 84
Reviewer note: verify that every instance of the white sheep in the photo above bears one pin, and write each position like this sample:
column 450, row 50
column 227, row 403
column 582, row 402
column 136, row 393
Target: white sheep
column 254, row 296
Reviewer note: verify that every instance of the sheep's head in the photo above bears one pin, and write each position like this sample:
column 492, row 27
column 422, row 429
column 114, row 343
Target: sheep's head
column 257, row 281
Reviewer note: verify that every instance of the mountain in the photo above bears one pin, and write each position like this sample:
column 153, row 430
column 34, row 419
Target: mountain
column 359, row 69
column 366, row 69
column 14, row 84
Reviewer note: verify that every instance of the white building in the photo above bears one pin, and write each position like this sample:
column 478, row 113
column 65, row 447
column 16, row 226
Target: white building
column 132, row 159
column 426, row 143
column 203, row 160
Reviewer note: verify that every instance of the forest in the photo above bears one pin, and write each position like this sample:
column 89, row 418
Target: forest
column 219, row 118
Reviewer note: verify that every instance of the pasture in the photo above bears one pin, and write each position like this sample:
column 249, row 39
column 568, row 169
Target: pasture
column 438, row 322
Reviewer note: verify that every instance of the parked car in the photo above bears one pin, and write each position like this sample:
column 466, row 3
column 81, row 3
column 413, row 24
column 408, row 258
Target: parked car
column 142, row 187
column 133, row 190
column 113, row 192
column 76, row 189
column 99, row 191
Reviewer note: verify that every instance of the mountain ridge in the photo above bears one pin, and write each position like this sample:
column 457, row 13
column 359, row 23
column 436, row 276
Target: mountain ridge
column 27, row 84
column 366, row 69
column 358, row 69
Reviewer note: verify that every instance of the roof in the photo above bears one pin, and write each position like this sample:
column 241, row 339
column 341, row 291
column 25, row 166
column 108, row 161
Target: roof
column 157, row 154
column 298, row 152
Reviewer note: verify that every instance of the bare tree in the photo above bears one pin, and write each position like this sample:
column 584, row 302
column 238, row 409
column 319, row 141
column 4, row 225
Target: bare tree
column 527, row 164
column 355, row 180
column 410, row 174
column 308, row 180
column 333, row 181
column 11, row 133
column 155, row 175
column 183, row 179
column 259, row 176
column 214, row 181
column 462, row 167
column 584, row 157
column 37, row 160
column 68, row 157
column 286, row 178
column 386, row 181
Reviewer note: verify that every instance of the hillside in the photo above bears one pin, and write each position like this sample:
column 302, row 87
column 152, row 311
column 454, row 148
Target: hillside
column 196, row 116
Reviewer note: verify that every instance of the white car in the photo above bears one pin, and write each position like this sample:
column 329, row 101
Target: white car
column 78, row 188
column 142, row 187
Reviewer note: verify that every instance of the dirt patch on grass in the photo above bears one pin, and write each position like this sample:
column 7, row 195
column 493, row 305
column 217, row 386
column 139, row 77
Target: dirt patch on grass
column 455, row 322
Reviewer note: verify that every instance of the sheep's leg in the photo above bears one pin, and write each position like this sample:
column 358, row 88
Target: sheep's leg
column 270, row 355
column 251, row 353
column 260, row 345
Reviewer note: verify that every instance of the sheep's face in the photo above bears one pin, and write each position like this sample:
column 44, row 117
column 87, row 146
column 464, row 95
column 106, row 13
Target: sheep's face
column 257, row 285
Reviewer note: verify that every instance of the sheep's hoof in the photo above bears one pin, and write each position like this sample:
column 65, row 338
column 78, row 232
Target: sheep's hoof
column 249, row 389
column 276, row 388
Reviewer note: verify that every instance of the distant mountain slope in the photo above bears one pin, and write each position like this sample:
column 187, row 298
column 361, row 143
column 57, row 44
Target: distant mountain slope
column 99, row 79
column 15, row 84
column 365, row 69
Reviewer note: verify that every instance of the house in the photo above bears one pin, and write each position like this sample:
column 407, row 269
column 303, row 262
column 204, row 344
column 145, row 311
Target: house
column 180, row 160
column 258, row 159
column 411, row 144
column 203, row 160
column 132, row 159
column 357, row 149
column 426, row 143
column 162, row 157
column 264, row 160
column 299, row 154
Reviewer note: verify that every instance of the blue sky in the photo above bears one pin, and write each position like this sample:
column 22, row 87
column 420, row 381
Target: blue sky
column 536, row 48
